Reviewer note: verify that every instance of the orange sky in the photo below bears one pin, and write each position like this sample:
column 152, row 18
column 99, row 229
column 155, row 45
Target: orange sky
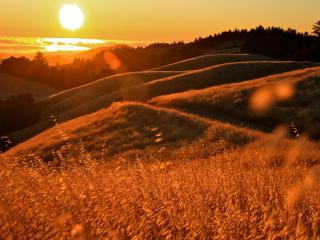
column 153, row 20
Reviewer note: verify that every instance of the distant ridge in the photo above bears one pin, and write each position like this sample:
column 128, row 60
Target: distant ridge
column 209, row 61
column 15, row 86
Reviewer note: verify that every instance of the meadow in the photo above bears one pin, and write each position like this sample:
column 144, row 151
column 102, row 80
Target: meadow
column 218, row 151
column 265, row 189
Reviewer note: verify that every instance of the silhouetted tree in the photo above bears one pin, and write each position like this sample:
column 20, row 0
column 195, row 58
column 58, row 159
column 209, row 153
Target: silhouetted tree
column 282, row 44
column 316, row 28
column 40, row 59
column 18, row 67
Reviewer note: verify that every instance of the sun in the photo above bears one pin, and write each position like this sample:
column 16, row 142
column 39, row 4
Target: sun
column 71, row 17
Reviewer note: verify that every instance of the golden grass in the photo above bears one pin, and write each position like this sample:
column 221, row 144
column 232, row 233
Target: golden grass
column 135, row 171
column 15, row 86
column 246, row 192
column 209, row 61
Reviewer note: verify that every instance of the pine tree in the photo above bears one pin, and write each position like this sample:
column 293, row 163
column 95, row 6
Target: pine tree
column 316, row 28
column 40, row 59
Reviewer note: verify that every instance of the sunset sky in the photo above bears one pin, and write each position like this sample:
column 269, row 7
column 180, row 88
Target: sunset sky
column 153, row 20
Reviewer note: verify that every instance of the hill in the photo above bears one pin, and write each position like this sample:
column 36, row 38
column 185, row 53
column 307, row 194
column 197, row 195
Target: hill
column 217, row 148
column 169, row 170
column 126, row 127
column 123, row 126
column 170, row 164
column 289, row 98
column 221, row 74
column 209, row 61
column 69, row 99
column 132, row 87
column 145, row 85
column 15, row 86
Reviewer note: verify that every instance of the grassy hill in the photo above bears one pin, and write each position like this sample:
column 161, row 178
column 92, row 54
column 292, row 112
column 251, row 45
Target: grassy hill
column 66, row 100
column 145, row 85
column 242, row 102
column 209, row 61
column 15, row 86
column 126, row 127
column 228, row 179
column 142, row 86
column 220, row 74
column 171, row 155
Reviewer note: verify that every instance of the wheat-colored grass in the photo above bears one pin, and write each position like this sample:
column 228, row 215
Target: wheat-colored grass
column 245, row 192
column 193, row 178
column 135, row 171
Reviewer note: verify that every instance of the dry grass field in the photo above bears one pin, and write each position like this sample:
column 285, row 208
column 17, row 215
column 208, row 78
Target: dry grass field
column 216, row 153
column 266, row 188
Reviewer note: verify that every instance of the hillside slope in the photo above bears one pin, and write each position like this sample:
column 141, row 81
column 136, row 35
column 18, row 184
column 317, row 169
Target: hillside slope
column 142, row 86
column 221, row 74
column 122, row 127
column 93, row 97
column 288, row 98
column 217, row 75
column 15, row 86
column 66, row 100
column 209, row 61
column 126, row 127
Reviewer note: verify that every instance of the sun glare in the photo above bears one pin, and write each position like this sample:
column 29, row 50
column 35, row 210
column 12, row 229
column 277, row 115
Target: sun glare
column 69, row 44
column 71, row 17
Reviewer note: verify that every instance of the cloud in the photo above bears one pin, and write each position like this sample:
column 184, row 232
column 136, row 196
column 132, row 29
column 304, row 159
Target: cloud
column 8, row 41
column 17, row 45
